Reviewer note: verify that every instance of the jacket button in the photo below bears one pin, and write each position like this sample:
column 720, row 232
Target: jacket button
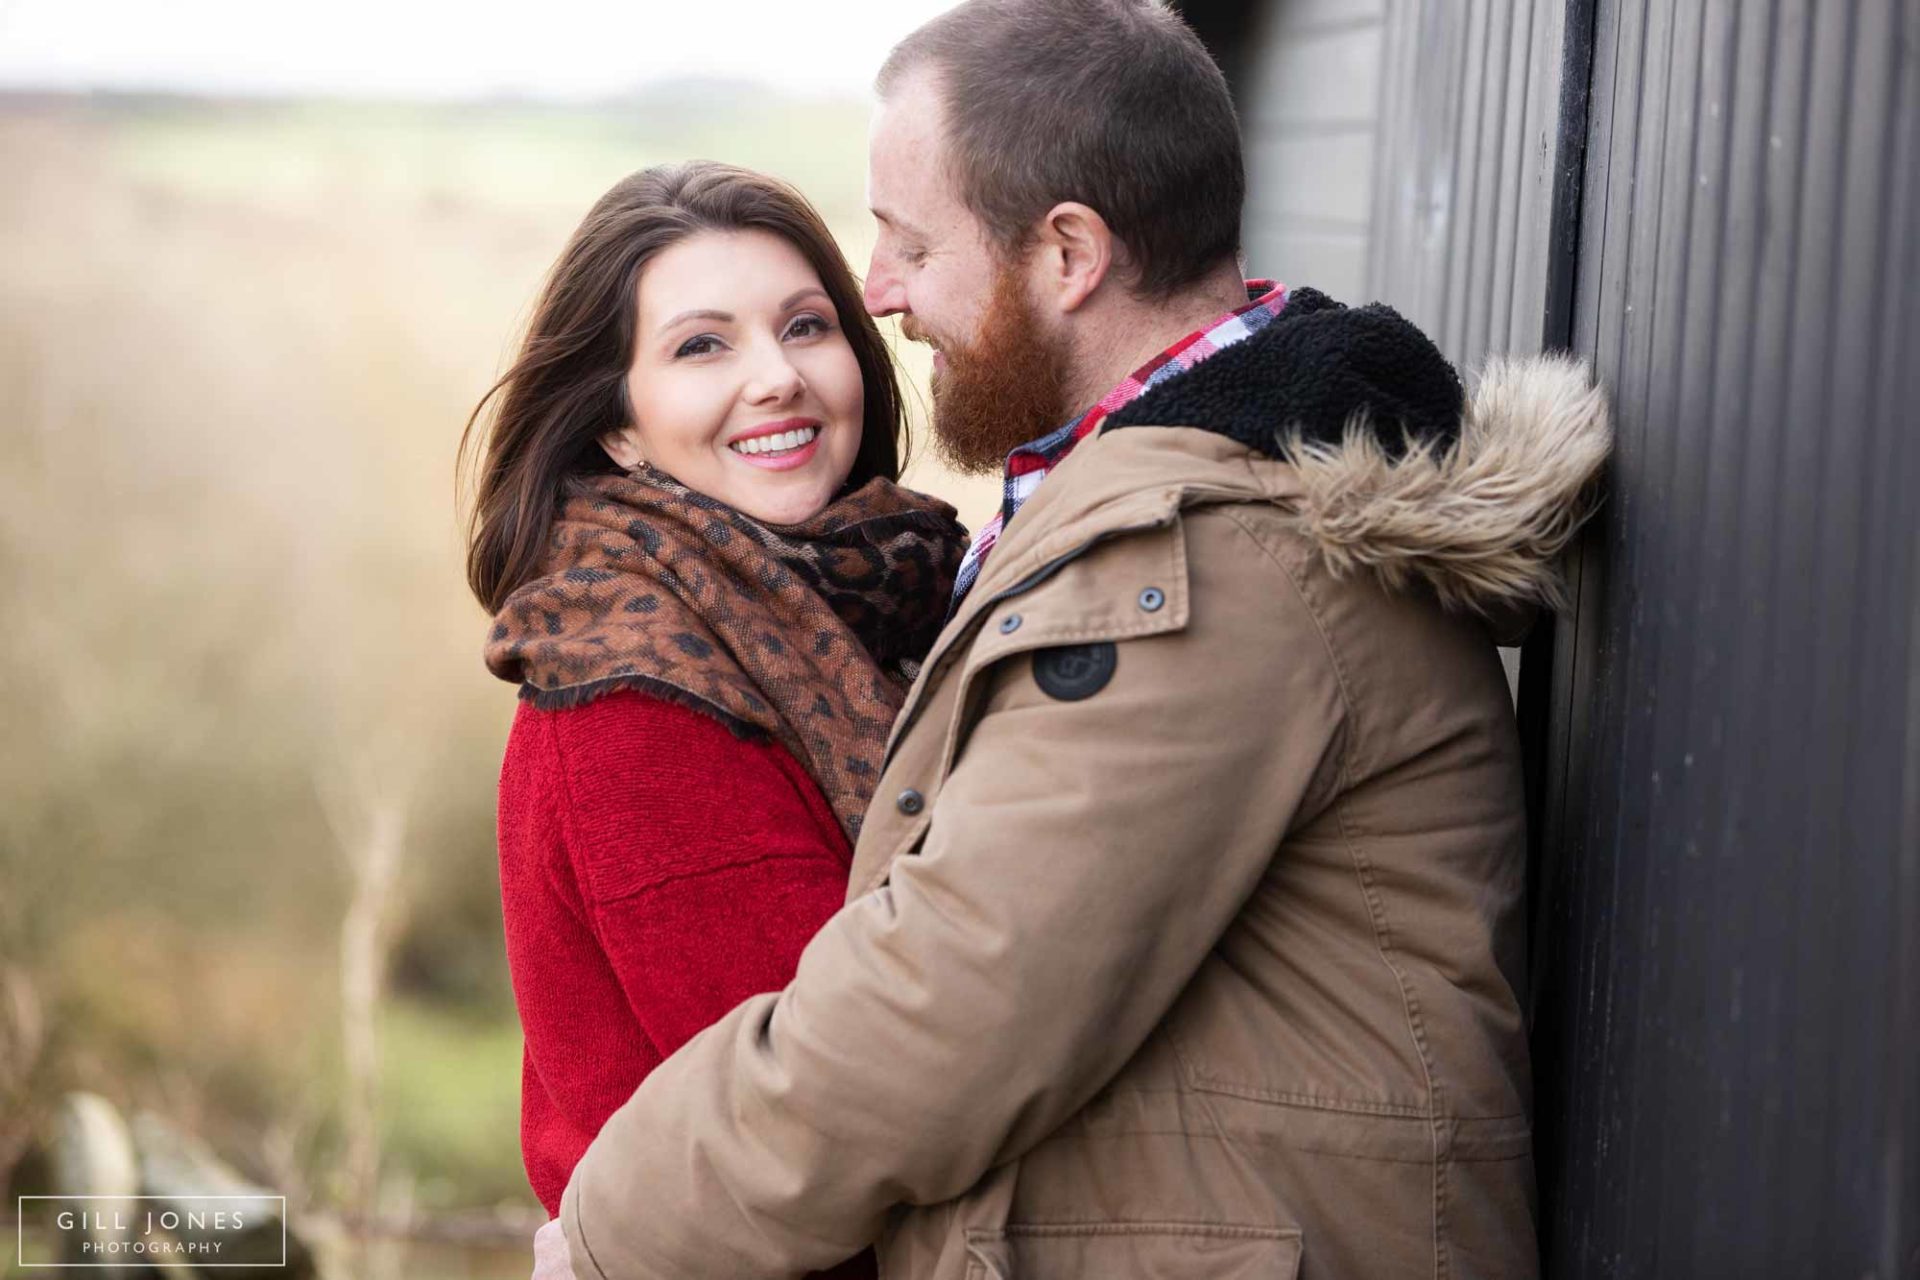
column 1152, row 598
column 911, row 802
column 1009, row 624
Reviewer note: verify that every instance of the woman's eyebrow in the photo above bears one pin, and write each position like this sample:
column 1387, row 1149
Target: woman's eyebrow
column 725, row 317
column 808, row 292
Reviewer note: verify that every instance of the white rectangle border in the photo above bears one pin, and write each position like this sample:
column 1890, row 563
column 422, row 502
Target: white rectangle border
column 20, row 1230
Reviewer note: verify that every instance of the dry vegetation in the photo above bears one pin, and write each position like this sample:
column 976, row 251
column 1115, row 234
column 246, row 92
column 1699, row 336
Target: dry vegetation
column 237, row 345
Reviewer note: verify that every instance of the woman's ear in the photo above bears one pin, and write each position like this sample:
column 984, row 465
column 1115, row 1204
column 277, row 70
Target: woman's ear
column 623, row 446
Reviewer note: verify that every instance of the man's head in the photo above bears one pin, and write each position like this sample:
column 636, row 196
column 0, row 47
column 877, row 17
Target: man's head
column 1041, row 171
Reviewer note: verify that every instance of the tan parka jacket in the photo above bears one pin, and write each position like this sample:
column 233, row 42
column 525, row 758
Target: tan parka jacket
column 1185, row 935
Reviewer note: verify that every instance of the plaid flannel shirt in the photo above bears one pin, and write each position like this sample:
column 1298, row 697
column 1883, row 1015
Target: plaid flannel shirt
column 1029, row 464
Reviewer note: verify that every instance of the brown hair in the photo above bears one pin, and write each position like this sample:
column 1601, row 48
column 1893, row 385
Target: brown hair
column 568, row 386
column 1112, row 103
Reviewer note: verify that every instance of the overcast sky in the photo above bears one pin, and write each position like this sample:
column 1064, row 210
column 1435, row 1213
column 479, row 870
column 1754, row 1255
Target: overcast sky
column 446, row 48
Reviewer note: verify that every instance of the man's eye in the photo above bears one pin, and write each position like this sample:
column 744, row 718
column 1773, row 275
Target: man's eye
column 705, row 344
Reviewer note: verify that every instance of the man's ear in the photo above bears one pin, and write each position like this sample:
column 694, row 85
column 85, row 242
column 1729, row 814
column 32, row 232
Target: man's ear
column 1076, row 251
column 623, row 447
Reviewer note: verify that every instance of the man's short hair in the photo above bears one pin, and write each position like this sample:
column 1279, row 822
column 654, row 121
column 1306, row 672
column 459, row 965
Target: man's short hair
column 1112, row 103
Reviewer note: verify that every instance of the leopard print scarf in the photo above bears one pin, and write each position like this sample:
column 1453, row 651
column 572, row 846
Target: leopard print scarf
column 807, row 633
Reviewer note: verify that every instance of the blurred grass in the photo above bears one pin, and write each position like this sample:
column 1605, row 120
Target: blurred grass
column 237, row 346
column 446, row 1103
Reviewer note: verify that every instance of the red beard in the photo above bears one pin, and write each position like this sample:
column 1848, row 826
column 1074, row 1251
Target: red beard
column 1003, row 389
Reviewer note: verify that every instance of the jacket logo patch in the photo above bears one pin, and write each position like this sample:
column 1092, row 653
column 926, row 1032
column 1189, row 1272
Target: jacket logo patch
column 1074, row 671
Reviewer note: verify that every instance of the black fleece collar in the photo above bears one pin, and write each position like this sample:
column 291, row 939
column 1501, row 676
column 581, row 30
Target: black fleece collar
column 1318, row 367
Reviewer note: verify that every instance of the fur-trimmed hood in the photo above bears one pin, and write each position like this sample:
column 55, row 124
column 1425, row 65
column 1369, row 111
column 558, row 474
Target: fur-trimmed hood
column 1399, row 472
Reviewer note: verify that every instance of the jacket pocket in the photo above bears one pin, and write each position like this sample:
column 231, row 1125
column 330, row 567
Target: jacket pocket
column 1133, row 1251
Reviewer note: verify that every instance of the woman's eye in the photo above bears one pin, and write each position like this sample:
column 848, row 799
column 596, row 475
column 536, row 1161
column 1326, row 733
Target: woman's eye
column 705, row 344
column 808, row 326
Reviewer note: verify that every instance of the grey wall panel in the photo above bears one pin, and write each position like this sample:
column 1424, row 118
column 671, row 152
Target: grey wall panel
column 1464, row 172
column 1308, row 91
column 1333, row 260
column 1728, row 1018
column 1318, row 179
column 1288, row 16
column 1311, row 74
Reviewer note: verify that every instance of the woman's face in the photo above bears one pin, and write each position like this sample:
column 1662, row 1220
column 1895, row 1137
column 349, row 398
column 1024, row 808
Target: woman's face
column 743, row 385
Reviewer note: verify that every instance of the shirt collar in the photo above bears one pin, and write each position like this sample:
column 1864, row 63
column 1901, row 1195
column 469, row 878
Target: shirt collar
column 1027, row 465
column 1264, row 301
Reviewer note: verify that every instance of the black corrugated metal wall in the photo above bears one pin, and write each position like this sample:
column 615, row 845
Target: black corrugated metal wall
column 1718, row 203
column 1729, row 1036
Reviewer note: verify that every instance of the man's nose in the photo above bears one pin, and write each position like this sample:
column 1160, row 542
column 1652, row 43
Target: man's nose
column 884, row 294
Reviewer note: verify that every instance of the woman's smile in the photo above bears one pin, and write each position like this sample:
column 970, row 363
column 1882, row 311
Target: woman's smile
column 779, row 446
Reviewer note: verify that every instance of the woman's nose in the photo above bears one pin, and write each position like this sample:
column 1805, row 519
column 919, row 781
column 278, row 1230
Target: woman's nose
column 774, row 380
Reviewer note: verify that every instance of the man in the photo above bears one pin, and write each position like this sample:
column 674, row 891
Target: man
column 1184, row 935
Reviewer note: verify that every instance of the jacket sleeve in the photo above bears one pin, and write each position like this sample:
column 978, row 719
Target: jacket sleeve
column 1082, row 859
column 655, row 872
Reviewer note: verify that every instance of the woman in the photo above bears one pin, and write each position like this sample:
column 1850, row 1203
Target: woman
column 713, row 596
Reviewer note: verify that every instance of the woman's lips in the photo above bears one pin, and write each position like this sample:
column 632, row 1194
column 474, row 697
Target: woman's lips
column 786, row 461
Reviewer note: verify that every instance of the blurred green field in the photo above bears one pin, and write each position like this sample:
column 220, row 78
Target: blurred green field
column 238, row 343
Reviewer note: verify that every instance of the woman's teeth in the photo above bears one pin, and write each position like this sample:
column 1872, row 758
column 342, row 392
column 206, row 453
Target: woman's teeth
column 781, row 443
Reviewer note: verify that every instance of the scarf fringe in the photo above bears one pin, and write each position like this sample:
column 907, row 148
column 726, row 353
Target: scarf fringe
column 576, row 695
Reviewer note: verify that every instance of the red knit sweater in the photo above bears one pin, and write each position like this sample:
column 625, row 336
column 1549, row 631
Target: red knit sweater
column 655, row 871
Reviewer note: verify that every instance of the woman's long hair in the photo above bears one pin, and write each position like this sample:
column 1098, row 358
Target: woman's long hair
column 568, row 386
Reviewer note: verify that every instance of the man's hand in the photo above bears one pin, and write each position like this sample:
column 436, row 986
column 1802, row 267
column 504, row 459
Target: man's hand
column 550, row 1261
